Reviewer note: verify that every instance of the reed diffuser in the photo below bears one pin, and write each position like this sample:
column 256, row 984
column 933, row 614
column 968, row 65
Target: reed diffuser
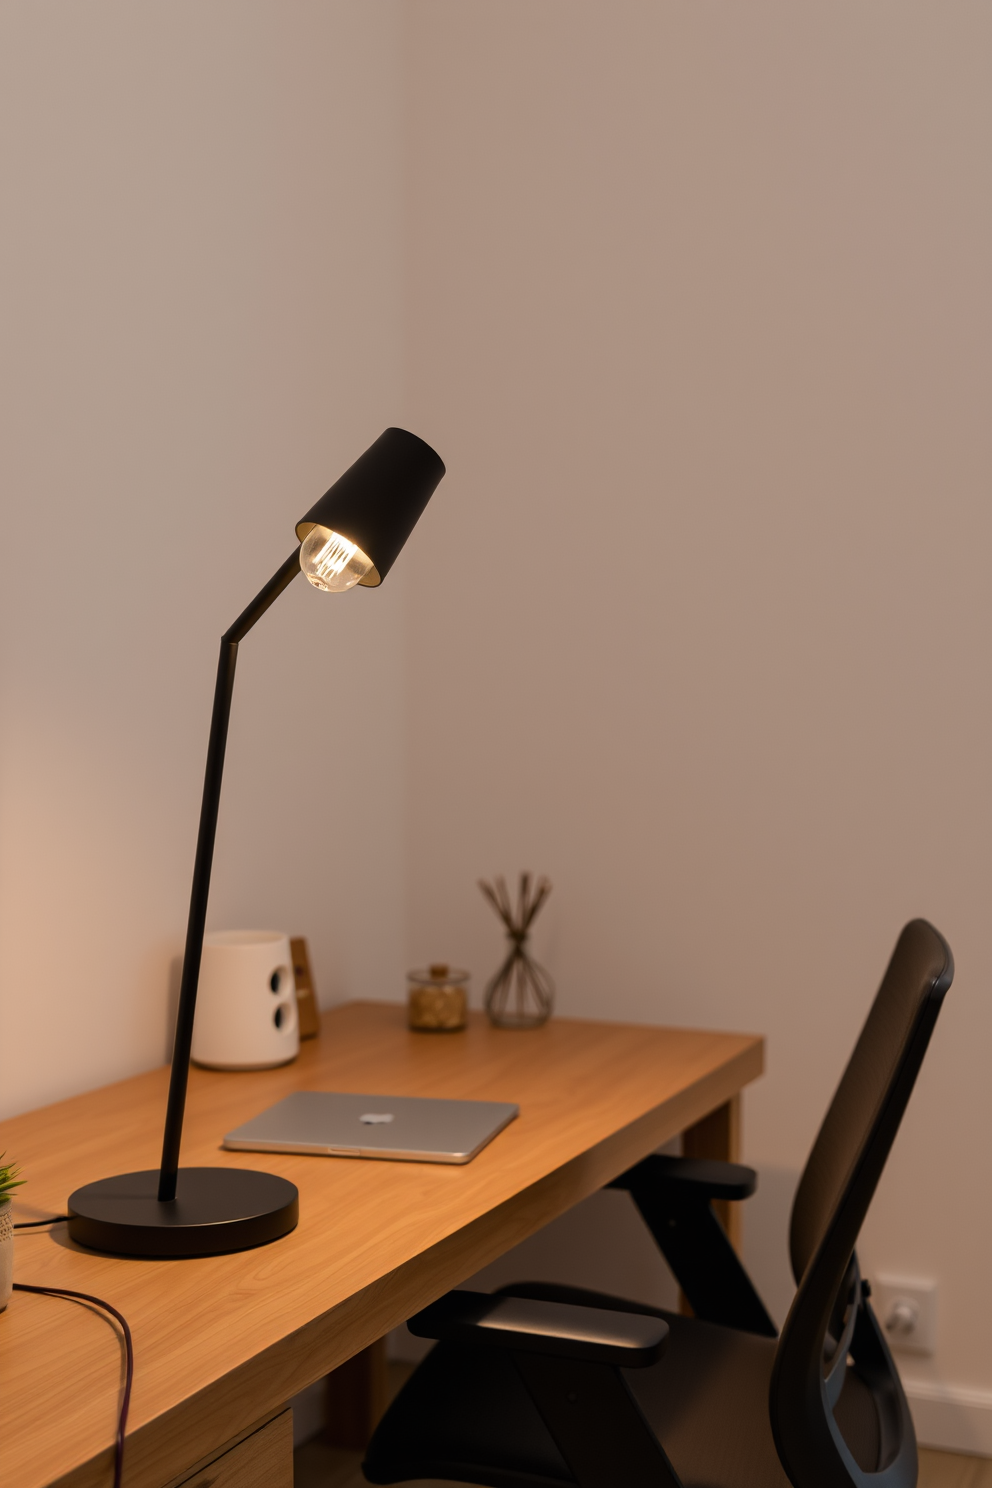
column 521, row 994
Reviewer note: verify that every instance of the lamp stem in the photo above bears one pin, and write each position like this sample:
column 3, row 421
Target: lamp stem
column 213, row 776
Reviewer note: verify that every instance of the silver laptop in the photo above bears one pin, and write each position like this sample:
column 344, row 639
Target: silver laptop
column 409, row 1127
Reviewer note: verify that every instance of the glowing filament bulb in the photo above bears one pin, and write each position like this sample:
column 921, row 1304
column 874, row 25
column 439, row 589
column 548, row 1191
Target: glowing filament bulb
column 331, row 562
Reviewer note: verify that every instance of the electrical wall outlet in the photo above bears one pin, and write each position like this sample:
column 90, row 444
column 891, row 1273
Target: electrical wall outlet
column 907, row 1312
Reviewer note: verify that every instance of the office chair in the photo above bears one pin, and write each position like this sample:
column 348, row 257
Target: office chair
column 539, row 1386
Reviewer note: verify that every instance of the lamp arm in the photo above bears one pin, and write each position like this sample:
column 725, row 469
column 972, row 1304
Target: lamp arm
column 213, row 776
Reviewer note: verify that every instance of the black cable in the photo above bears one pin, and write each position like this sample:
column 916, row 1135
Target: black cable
column 31, row 1224
column 20, row 1286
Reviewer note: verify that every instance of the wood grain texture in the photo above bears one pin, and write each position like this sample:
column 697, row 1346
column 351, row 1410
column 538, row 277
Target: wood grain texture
column 262, row 1460
column 306, row 1000
column 947, row 1470
column 357, row 1395
column 718, row 1135
column 223, row 1341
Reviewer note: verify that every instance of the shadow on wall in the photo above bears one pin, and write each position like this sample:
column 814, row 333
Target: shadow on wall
column 766, row 1239
column 604, row 1244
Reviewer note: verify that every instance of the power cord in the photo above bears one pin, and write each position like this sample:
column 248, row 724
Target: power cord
column 69, row 1296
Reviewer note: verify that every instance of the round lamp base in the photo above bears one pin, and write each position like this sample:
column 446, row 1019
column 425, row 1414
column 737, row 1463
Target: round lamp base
column 215, row 1211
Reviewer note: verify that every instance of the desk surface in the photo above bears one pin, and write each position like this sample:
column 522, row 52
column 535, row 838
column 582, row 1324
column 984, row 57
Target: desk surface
column 221, row 1341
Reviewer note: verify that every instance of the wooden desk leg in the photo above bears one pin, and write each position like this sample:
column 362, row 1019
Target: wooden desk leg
column 719, row 1135
column 357, row 1398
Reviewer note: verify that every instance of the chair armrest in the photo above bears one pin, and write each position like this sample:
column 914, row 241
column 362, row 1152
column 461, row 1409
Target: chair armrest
column 689, row 1177
column 675, row 1197
column 628, row 1339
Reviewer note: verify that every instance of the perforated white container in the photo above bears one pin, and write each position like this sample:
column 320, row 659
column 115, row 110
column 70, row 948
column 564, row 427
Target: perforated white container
column 246, row 1003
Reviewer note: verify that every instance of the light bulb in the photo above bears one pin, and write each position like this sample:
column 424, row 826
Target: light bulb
column 331, row 562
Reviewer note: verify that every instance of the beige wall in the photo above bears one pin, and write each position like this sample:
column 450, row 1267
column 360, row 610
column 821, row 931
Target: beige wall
column 694, row 301
column 200, row 310
column 700, row 321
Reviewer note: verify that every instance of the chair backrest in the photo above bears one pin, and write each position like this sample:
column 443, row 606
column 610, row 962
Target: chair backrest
column 828, row 1318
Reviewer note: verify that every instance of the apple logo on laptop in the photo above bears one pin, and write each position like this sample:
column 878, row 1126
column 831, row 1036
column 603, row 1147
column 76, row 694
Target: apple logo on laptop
column 376, row 1118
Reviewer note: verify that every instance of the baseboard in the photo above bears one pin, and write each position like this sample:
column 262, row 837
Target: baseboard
column 951, row 1416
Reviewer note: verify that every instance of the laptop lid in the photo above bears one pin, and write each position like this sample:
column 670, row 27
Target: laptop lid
column 406, row 1127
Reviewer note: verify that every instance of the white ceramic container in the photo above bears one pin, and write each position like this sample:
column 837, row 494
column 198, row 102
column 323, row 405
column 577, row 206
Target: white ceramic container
column 6, row 1253
column 246, row 1002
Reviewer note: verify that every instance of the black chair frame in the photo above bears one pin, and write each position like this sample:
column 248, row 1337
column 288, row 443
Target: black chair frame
column 577, row 1353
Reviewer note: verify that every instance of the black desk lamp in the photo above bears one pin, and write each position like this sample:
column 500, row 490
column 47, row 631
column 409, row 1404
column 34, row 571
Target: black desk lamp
column 352, row 536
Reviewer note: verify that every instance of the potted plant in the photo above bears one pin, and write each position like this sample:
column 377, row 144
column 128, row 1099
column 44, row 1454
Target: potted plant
column 8, row 1182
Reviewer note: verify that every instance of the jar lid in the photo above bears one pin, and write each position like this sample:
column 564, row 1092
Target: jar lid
column 438, row 974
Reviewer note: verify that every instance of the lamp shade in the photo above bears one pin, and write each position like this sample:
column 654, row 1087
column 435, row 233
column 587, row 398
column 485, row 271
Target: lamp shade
column 377, row 501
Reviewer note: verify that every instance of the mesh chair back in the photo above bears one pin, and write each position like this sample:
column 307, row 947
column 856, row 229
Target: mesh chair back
column 829, row 1320
column 915, row 977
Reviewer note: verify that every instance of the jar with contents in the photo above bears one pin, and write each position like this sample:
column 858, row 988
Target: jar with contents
column 438, row 998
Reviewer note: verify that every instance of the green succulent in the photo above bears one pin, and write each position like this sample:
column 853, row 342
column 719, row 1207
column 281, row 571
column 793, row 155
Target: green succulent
column 8, row 1178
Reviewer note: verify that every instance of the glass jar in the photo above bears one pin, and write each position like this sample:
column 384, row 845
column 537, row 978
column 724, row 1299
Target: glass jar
column 438, row 998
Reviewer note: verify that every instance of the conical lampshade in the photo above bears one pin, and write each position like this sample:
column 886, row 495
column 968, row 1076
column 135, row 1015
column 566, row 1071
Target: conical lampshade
column 377, row 502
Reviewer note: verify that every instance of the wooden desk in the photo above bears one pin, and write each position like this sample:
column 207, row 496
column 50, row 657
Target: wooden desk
column 222, row 1343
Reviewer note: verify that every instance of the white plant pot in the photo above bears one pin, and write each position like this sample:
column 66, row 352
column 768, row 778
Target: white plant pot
column 246, row 1001
column 6, row 1253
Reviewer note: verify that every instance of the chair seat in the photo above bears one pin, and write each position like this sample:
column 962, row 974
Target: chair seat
column 706, row 1401
column 465, row 1415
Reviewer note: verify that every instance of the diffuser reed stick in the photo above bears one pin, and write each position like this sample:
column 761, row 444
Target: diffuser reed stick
column 521, row 994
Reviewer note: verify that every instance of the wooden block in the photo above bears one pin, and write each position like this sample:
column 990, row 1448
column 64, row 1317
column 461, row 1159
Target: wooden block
column 262, row 1460
column 719, row 1135
column 306, row 999
column 357, row 1395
